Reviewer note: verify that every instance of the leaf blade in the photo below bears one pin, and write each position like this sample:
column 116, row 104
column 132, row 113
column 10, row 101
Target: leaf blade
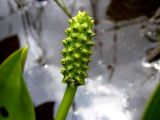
column 14, row 96
column 152, row 108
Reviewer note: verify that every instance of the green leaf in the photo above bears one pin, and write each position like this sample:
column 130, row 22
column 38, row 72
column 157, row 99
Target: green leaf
column 15, row 101
column 152, row 110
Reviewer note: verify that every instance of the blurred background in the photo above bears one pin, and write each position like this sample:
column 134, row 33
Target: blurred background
column 125, row 63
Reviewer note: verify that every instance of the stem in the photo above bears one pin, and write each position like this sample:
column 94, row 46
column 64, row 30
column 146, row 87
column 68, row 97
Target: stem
column 66, row 103
column 64, row 8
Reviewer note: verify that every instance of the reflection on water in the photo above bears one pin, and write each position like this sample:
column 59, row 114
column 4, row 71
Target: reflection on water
column 101, row 101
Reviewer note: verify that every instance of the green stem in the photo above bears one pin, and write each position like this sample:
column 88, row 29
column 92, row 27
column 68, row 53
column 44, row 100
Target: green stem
column 66, row 103
column 64, row 8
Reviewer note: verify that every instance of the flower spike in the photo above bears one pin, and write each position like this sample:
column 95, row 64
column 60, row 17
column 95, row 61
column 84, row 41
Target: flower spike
column 77, row 49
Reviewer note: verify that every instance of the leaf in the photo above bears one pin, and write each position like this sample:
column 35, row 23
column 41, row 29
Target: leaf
column 152, row 110
column 15, row 101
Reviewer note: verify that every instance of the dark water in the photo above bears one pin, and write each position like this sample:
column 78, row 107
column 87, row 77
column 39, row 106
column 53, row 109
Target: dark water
column 120, row 10
column 8, row 46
